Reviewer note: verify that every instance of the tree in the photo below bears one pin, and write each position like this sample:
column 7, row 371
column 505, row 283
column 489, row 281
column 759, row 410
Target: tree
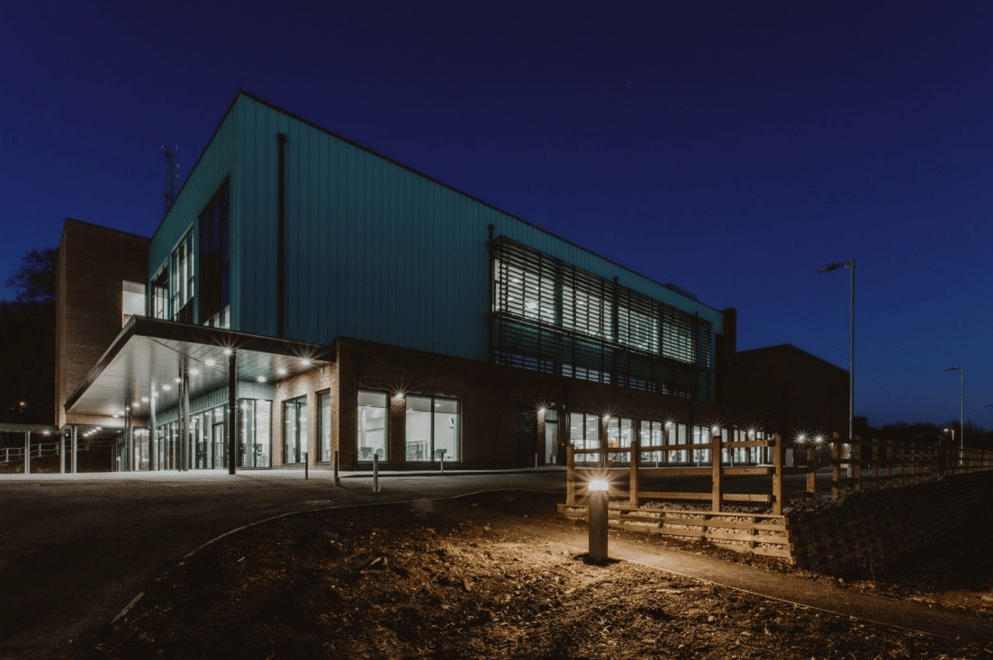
column 27, row 342
column 34, row 279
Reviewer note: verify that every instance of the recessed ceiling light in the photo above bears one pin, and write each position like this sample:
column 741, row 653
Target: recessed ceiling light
column 261, row 379
column 305, row 362
column 178, row 379
column 144, row 399
column 281, row 372
column 167, row 387
column 210, row 362
column 194, row 372
column 227, row 351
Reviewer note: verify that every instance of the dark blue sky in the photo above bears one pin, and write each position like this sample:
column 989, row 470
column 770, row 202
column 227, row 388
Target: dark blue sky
column 731, row 148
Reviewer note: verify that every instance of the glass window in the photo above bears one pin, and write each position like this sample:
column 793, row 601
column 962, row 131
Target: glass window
column 253, row 447
column 446, row 430
column 418, row 443
column 372, row 425
column 215, row 259
column 160, row 295
column 433, row 426
column 182, row 280
column 295, row 429
column 324, row 426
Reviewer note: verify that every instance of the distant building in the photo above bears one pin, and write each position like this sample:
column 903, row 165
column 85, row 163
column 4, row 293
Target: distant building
column 800, row 392
column 305, row 295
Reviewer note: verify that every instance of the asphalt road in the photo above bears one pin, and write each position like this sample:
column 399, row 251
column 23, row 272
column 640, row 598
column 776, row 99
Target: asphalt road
column 76, row 549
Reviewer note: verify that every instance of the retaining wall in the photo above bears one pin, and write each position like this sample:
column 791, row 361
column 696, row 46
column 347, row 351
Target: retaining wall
column 866, row 531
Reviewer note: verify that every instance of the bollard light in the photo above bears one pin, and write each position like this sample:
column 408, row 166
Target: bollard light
column 598, row 520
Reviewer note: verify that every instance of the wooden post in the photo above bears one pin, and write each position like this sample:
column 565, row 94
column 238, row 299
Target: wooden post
column 835, row 467
column 570, row 474
column 633, row 478
column 777, row 475
column 715, row 459
column 889, row 464
column 857, row 465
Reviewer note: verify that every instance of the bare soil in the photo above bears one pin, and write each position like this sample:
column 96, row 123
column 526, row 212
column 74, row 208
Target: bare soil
column 405, row 581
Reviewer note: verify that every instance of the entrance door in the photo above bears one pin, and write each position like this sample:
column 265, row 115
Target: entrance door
column 220, row 446
column 551, row 442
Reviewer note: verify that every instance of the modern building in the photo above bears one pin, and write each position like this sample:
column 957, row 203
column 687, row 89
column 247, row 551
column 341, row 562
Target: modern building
column 305, row 295
column 804, row 394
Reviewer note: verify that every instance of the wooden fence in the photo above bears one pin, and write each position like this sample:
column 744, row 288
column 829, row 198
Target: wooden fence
column 762, row 490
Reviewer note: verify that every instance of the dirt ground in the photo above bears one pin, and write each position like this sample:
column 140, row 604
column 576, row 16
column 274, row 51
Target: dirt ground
column 404, row 581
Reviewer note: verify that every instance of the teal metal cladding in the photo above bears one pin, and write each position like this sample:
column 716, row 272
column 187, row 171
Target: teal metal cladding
column 372, row 249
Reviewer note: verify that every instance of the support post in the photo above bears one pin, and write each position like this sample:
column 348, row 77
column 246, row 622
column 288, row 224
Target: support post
column 777, row 474
column 27, row 452
column 889, row 464
column 715, row 459
column 306, row 466
column 62, row 453
column 857, row 465
column 875, row 464
column 570, row 474
column 75, row 450
column 188, row 444
column 233, row 412
column 375, row 472
column 633, row 475
column 835, row 467
column 811, row 475
column 153, row 464
column 337, row 479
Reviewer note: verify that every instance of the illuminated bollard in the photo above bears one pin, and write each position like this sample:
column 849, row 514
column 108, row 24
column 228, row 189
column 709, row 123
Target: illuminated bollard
column 598, row 521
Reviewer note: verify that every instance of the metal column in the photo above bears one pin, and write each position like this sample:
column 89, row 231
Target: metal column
column 152, row 448
column 187, row 437
column 232, row 411
column 75, row 451
column 27, row 452
column 62, row 453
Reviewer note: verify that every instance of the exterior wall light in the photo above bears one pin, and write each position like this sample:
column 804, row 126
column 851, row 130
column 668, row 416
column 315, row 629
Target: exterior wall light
column 598, row 520
column 819, row 439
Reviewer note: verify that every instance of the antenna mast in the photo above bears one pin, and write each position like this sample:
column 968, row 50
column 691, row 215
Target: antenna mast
column 170, row 187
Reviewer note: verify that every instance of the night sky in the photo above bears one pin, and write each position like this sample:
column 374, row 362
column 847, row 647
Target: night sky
column 729, row 148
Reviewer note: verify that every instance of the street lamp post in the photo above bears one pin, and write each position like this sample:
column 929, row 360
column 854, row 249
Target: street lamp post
column 961, row 371
column 850, row 265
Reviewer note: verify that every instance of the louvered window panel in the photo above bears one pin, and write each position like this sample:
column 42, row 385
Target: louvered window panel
column 552, row 317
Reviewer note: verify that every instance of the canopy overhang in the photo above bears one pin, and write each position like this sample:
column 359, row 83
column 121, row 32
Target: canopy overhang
column 149, row 356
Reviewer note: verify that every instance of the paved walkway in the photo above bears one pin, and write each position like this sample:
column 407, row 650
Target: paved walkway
column 821, row 595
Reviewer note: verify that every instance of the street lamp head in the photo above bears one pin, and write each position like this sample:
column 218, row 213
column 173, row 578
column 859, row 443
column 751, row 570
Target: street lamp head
column 835, row 266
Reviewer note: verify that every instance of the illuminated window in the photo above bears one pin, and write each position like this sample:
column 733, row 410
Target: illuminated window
column 324, row 426
column 182, row 280
column 373, row 422
column 295, row 429
column 432, row 429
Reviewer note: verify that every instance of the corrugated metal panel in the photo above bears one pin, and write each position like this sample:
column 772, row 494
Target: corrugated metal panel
column 375, row 250
column 217, row 161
